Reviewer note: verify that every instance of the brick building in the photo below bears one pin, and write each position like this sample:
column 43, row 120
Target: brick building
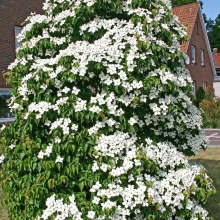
column 12, row 14
column 200, row 62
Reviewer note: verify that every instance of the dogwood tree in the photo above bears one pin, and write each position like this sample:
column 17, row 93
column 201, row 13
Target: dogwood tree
column 104, row 118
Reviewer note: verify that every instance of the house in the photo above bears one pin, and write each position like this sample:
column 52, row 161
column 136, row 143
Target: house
column 200, row 63
column 12, row 14
column 216, row 84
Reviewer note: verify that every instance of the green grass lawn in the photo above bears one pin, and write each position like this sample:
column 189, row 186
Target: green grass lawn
column 210, row 159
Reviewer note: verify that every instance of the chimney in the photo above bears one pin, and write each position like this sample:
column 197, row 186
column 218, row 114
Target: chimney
column 215, row 50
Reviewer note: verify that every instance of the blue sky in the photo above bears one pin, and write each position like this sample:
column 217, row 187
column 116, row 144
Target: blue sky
column 211, row 8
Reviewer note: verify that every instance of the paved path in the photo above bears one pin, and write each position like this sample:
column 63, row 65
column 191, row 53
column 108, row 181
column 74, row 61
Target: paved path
column 214, row 136
column 4, row 120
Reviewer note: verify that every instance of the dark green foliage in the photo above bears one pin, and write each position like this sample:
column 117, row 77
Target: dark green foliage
column 200, row 95
column 184, row 2
column 213, row 28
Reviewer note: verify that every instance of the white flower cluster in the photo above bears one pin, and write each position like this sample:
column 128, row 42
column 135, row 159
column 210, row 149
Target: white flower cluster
column 63, row 210
column 47, row 152
column 197, row 209
column 107, row 122
column 164, row 154
column 63, row 123
column 41, row 107
column 167, row 189
column 172, row 187
column 33, row 19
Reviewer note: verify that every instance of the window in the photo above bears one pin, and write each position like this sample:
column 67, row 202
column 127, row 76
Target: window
column 202, row 57
column 17, row 32
column 197, row 27
column 194, row 87
column 204, row 85
column 193, row 54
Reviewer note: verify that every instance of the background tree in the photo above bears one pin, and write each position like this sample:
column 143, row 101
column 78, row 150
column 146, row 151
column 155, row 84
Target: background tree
column 184, row 2
column 213, row 29
column 104, row 121
column 209, row 23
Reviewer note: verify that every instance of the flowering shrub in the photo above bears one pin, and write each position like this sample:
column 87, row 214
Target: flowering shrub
column 104, row 116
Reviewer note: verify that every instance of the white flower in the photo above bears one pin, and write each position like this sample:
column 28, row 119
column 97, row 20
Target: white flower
column 40, row 155
column 3, row 127
column 12, row 146
column 132, row 121
column 80, row 105
column 57, row 140
column 91, row 214
column 66, row 90
column 95, row 109
column 43, row 86
column 96, row 200
column 2, row 157
column 74, row 127
column 95, row 167
column 75, row 90
column 59, row 159
column 48, row 150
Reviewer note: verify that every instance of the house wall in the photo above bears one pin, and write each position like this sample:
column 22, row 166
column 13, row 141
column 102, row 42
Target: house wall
column 216, row 86
column 216, row 83
column 13, row 13
column 200, row 74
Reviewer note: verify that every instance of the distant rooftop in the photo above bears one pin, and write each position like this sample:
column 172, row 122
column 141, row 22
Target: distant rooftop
column 216, row 58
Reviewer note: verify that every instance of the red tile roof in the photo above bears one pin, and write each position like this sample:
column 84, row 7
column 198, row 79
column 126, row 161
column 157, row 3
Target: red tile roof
column 187, row 15
column 216, row 58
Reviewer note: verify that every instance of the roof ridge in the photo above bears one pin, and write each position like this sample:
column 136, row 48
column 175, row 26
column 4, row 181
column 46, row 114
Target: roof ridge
column 217, row 55
column 216, row 58
column 194, row 3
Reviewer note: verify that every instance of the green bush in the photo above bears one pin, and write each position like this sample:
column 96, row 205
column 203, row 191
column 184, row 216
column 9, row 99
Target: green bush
column 200, row 95
column 210, row 106
column 211, row 113
column 103, row 116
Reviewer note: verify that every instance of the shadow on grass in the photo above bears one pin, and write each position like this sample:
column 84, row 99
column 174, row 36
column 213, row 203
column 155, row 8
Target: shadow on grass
column 213, row 168
column 3, row 211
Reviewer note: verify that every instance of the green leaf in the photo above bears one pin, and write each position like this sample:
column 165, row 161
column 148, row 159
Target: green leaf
column 81, row 186
column 22, row 155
